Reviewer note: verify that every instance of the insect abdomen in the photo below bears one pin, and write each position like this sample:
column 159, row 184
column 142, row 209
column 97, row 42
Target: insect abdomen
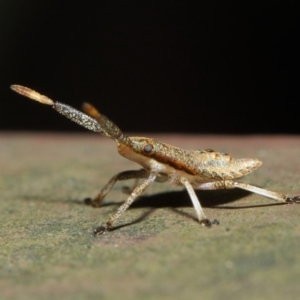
column 242, row 167
column 219, row 166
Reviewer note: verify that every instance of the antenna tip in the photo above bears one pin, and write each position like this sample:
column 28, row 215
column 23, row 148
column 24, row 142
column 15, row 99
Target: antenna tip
column 27, row 92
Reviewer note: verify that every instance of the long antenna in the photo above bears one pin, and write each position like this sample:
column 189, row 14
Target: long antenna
column 95, row 122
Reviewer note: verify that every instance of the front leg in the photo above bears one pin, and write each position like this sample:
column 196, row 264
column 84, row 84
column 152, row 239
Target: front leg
column 136, row 192
column 133, row 174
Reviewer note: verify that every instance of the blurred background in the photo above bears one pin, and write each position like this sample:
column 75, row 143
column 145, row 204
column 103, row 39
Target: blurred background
column 153, row 66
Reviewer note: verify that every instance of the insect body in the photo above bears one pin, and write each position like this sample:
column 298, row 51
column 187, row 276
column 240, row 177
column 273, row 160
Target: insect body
column 205, row 170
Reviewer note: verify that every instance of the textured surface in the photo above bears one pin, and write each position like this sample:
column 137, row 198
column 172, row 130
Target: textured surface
column 159, row 250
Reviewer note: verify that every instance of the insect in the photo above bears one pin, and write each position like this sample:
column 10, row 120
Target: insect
column 198, row 169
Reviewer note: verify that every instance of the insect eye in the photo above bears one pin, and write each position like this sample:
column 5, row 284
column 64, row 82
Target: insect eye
column 148, row 148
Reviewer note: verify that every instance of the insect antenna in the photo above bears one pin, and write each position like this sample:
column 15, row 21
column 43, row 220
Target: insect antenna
column 110, row 128
column 95, row 122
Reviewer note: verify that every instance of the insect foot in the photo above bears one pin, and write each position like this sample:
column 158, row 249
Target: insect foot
column 206, row 223
column 215, row 222
column 101, row 230
column 293, row 200
column 91, row 202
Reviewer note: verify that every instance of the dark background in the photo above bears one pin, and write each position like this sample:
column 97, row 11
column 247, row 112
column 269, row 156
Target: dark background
column 153, row 66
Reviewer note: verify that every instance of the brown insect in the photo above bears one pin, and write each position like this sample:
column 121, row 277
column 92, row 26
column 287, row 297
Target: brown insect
column 198, row 169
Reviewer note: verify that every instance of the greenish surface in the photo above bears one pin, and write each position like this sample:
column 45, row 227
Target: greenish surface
column 48, row 252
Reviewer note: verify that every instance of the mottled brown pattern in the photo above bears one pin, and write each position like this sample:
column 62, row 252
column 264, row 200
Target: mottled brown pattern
column 177, row 165
column 206, row 164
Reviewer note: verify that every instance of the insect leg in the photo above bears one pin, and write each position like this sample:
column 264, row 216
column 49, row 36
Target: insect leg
column 128, row 190
column 269, row 194
column 133, row 174
column 200, row 213
column 229, row 184
column 136, row 192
